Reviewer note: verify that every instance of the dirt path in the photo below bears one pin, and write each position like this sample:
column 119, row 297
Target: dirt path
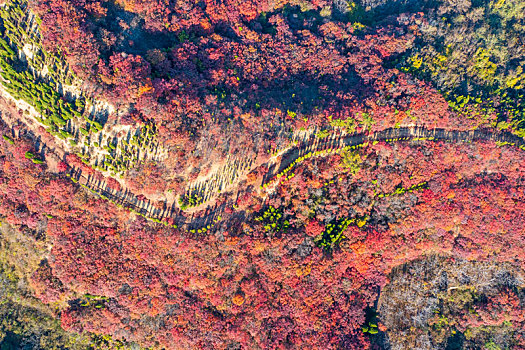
column 211, row 215
column 331, row 145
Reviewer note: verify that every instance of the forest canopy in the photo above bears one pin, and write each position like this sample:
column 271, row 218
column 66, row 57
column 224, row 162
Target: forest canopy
column 253, row 174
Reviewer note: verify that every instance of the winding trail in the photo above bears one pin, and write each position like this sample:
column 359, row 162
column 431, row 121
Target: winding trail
column 308, row 148
column 229, row 179
column 414, row 133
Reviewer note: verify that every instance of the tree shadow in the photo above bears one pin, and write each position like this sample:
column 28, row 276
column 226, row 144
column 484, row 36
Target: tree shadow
column 129, row 33
column 382, row 12
column 13, row 341
column 307, row 93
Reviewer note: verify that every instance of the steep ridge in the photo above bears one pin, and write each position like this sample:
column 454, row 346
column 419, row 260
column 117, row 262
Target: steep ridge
column 81, row 129
column 312, row 147
column 335, row 145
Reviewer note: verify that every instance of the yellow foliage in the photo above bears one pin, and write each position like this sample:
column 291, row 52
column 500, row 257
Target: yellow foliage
column 358, row 26
column 129, row 5
column 348, row 124
column 351, row 161
column 484, row 68
column 499, row 4
column 416, row 61
column 238, row 299
column 303, row 270
column 516, row 80
column 145, row 88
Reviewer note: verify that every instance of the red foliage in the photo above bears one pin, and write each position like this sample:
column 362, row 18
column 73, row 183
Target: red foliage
column 265, row 293
column 238, row 82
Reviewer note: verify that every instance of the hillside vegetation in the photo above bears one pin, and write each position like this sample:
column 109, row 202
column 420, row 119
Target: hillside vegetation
column 262, row 175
